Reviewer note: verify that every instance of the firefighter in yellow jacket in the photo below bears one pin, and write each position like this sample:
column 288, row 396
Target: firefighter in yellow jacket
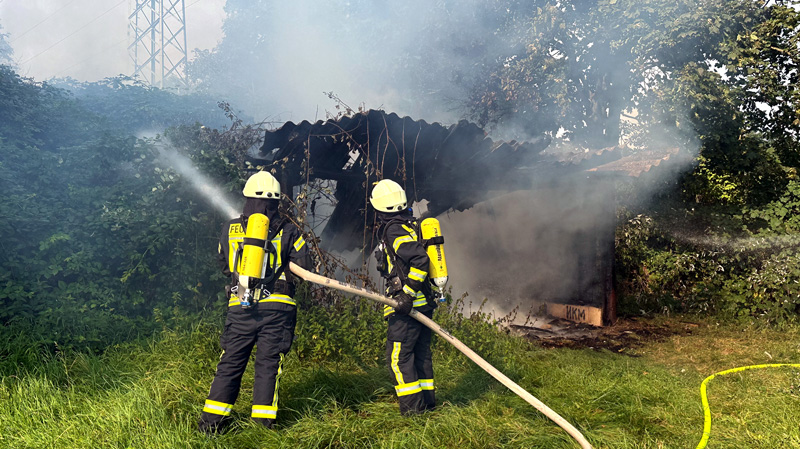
column 261, row 308
column 403, row 262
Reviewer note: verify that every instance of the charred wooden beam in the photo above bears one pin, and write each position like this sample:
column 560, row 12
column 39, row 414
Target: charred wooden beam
column 451, row 167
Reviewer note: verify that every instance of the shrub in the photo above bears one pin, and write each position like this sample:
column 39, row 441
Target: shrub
column 740, row 278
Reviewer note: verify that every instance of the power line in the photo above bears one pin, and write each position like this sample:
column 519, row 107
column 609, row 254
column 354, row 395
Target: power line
column 72, row 34
column 41, row 21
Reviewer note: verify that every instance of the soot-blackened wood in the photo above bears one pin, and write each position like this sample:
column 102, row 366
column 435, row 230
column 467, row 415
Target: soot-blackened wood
column 450, row 167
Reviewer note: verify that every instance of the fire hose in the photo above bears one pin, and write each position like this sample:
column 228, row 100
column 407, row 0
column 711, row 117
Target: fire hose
column 704, row 397
column 494, row 372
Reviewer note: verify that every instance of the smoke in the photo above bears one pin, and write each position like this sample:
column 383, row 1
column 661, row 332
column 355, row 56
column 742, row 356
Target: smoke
column 199, row 182
column 416, row 58
column 88, row 40
column 423, row 59
column 524, row 248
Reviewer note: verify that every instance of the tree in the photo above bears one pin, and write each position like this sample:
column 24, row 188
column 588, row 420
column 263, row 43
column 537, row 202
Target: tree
column 102, row 238
column 137, row 107
column 737, row 99
column 6, row 52
column 580, row 65
column 763, row 65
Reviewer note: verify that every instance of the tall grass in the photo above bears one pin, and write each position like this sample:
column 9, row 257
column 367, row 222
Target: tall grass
column 148, row 394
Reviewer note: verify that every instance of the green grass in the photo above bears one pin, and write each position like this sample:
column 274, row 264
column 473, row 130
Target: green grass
column 149, row 395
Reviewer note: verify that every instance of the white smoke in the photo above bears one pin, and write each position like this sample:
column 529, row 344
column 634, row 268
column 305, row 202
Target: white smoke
column 525, row 248
column 414, row 57
column 88, row 40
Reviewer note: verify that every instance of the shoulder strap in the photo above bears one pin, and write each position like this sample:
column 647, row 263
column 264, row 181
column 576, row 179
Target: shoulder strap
column 271, row 234
column 270, row 249
column 239, row 248
column 438, row 240
column 400, row 268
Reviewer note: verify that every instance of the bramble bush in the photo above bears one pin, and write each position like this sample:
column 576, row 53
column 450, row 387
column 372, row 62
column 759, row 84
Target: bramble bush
column 746, row 278
column 778, row 217
column 102, row 240
column 771, row 292
column 353, row 330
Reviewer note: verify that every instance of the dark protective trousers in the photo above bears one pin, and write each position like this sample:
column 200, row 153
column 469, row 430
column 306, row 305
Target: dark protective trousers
column 408, row 353
column 272, row 332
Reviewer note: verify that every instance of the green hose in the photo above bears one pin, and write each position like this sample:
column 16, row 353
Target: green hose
column 704, row 398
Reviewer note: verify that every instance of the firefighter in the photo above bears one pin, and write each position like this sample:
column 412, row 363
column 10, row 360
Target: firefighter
column 403, row 262
column 269, row 321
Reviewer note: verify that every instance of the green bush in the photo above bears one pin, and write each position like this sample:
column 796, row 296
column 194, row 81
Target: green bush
column 771, row 292
column 351, row 328
column 102, row 240
column 741, row 278
column 778, row 217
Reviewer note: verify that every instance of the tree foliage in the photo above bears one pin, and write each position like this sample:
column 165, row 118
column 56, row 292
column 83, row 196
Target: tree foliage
column 720, row 75
column 601, row 57
column 136, row 107
column 102, row 239
column 6, row 52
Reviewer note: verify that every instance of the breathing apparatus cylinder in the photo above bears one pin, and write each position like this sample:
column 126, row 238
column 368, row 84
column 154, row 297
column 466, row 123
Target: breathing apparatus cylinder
column 434, row 246
column 251, row 267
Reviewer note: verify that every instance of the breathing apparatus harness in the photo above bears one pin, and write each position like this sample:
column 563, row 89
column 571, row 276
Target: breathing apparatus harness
column 255, row 284
column 394, row 284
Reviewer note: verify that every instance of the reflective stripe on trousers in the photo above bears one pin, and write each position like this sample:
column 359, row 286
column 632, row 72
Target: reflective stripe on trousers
column 271, row 332
column 408, row 354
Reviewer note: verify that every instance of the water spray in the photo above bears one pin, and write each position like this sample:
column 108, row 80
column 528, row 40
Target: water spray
column 199, row 182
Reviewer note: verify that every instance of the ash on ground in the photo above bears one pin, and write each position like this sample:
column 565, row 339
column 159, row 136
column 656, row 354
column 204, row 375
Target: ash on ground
column 622, row 337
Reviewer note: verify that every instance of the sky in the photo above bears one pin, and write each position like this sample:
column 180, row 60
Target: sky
column 88, row 39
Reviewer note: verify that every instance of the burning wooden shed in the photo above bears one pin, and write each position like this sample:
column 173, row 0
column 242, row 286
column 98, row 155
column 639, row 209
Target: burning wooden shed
column 450, row 170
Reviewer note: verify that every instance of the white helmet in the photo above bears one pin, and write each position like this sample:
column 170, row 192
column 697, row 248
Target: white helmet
column 388, row 196
column 262, row 185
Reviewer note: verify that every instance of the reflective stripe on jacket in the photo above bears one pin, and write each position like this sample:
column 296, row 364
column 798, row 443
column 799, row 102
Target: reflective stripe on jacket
column 406, row 258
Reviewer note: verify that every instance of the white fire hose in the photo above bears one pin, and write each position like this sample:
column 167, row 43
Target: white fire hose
column 529, row 398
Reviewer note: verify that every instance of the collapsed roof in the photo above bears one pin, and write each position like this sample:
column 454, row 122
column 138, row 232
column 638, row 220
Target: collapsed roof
column 450, row 167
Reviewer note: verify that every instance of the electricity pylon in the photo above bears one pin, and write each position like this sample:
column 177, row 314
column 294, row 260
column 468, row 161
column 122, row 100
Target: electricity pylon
column 158, row 50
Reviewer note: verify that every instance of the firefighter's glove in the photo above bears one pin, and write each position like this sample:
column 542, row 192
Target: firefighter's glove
column 405, row 303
